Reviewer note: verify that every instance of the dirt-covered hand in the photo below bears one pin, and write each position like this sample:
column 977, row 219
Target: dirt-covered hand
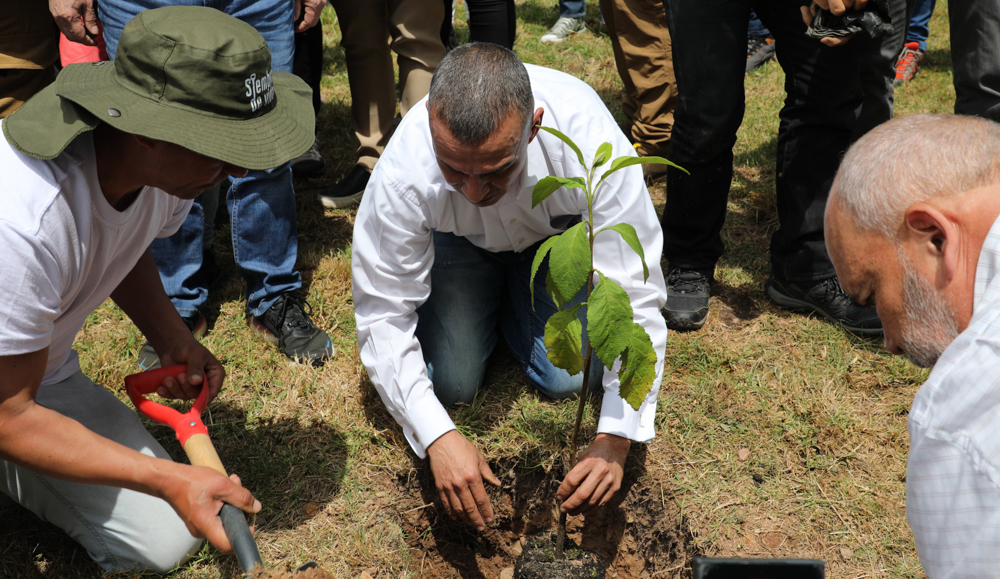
column 77, row 19
column 838, row 7
column 307, row 13
column 197, row 494
column 201, row 365
column 459, row 471
column 596, row 477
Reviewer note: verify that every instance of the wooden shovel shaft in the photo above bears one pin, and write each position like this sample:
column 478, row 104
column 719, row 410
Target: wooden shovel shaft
column 201, row 452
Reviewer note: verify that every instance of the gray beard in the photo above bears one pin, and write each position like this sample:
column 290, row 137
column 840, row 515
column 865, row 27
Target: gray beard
column 929, row 322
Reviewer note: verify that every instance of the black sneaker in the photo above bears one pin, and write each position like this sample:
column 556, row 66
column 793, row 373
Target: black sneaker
column 309, row 164
column 760, row 49
column 287, row 324
column 688, row 293
column 347, row 191
column 149, row 359
column 827, row 298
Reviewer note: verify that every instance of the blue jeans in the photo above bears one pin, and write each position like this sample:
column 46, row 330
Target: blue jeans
column 757, row 27
column 919, row 28
column 261, row 204
column 472, row 292
column 572, row 8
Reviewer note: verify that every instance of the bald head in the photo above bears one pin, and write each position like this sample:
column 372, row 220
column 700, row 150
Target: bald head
column 912, row 159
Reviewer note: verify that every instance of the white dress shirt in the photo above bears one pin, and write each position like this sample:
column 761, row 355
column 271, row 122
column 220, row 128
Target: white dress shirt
column 953, row 473
column 407, row 198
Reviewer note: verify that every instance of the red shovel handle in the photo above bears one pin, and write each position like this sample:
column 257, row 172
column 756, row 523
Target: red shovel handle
column 147, row 382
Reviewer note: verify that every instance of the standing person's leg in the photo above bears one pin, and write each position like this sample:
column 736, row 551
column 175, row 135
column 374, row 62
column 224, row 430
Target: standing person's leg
column 121, row 529
column 570, row 21
column 262, row 216
column 824, row 97
column 457, row 323
column 492, row 21
column 572, row 8
column 364, row 30
column 308, row 66
column 975, row 56
column 414, row 26
column 523, row 326
column 919, row 29
column 709, row 50
column 643, row 55
column 878, row 70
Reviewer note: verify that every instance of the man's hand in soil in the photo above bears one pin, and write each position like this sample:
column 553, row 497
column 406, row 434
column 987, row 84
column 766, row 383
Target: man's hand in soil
column 77, row 19
column 459, row 470
column 197, row 494
column 201, row 363
column 596, row 477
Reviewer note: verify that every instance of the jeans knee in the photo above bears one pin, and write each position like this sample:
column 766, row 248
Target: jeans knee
column 455, row 385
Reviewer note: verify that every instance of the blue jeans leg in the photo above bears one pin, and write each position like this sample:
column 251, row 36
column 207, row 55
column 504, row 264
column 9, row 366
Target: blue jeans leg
column 179, row 261
column 572, row 8
column 261, row 204
column 457, row 324
column 919, row 29
column 524, row 330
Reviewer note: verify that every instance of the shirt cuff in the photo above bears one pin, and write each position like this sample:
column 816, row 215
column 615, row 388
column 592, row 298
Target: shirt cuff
column 428, row 421
column 618, row 418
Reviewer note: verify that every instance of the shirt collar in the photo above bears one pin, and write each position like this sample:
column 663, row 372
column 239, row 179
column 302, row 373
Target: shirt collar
column 987, row 286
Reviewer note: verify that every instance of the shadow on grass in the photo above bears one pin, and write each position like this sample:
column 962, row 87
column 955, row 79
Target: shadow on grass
column 936, row 60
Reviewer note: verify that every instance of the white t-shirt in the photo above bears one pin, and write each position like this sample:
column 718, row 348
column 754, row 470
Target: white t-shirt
column 64, row 249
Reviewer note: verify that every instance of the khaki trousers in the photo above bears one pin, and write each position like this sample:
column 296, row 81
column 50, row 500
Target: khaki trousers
column 370, row 29
column 641, row 42
column 18, row 85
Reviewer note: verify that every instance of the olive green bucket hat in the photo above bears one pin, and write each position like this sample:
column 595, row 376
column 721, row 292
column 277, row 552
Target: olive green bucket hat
column 188, row 75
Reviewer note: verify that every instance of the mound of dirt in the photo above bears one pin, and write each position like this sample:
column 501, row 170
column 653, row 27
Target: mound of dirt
column 639, row 534
column 311, row 573
column 539, row 560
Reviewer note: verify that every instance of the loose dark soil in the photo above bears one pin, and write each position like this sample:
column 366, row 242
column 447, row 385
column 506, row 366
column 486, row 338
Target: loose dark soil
column 314, row 573
column 539, row 560
column 635, row 536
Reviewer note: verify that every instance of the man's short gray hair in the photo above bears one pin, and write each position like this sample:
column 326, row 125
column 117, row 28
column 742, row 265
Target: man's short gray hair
column 476, row 87
column 912, row 159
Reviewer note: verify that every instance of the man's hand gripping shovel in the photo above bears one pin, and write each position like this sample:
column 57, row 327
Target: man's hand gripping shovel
column 193, row 436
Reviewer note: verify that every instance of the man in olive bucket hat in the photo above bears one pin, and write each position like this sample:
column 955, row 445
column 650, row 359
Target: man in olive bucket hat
column 94, row 168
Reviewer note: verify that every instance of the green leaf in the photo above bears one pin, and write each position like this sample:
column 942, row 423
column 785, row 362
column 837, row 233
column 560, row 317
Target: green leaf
column 550, row 286
column 603, row 154
column 549, row 185
column 569, row 260
column 638, row 369
column 632, row 239
column 568, row 141
column 535, row 263
column 564, row 340
column 622, row 162
column 609, row 320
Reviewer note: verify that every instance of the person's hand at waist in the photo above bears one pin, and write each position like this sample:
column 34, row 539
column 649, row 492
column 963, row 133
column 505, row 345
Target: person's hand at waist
column 838, row 7
column 77, row 19
column 197, row 494
column 203, row 367
column 459, row 471
column 596, row 477
column 307, row 13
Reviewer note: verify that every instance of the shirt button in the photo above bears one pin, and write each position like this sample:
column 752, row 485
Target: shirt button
column 519, row 241
column 513, row 220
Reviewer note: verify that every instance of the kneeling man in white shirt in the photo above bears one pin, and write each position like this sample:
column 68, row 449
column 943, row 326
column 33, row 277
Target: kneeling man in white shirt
column 443, row 245
column 912, row 227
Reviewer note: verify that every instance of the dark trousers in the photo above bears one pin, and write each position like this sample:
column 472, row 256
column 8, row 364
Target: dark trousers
column 816, row 125
column 975, row 56
column 492, row 21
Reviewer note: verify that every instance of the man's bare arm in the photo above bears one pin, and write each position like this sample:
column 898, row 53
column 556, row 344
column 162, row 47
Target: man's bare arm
column 141, row 296
column 47, row 442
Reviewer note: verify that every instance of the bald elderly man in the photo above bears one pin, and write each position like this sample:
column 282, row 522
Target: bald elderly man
column 912, row 227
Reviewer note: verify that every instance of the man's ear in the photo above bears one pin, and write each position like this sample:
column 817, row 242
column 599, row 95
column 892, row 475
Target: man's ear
column 536, row 121
column 931, row 236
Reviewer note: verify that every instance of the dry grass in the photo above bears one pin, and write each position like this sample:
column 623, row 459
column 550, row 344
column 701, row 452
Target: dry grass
column 779, row 435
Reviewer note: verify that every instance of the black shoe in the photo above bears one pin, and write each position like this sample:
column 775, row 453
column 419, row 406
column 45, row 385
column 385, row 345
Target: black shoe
column 149, row 359
column 347, row 191
column 688, row 293
column 825, row 297
column 760, row 49
column 309, row 164
column 287, row 324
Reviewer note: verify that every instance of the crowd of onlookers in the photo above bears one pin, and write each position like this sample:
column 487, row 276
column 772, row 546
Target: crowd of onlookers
column 865, row 209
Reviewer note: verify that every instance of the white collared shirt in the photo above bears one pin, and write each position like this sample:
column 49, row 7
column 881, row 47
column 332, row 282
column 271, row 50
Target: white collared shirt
column 407, row 198
column 953, row 472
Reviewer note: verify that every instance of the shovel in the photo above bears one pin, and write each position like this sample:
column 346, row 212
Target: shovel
column 193, row 436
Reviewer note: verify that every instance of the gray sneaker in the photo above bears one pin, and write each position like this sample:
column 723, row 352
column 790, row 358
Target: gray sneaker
column 562, row 29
